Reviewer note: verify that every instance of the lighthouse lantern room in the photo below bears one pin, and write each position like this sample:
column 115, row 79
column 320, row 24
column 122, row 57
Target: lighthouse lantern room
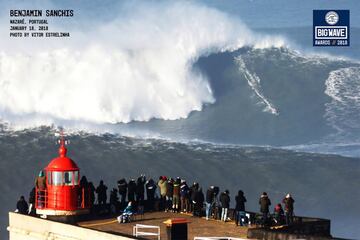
column 62, row 195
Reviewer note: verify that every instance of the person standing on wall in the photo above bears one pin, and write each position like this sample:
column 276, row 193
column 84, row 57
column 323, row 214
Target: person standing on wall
column 225, row 204
column 140, row 189
column 264, row 203
column 122, row 188
column 101, row 194
column 150, row 193
column 289, row 209
column 176, row 195
column 184, row 196
column 21, row 206
column 162, row 183
column 240, row 208
column 209, row 201
column 131, row 189
column 40, row 184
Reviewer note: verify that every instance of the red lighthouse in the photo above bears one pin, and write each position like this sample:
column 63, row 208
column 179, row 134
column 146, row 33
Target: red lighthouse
column 62, row 195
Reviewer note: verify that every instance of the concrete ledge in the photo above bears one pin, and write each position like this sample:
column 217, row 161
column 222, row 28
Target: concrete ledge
column 308, row 228
column 24, row 227
column 61, row 212
column 277, row 235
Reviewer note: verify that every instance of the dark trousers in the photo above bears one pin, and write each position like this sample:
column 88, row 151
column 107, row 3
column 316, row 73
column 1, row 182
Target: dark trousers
column 289, row 216
column 139, row 197
column 150, row 200
column 123, row 198
column 265, row 218
column 162, row 202
column 197, row 209
column 131, row 196
column 168, row 202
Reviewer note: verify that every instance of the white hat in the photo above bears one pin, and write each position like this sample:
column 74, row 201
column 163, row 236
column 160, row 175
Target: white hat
column 288, row 195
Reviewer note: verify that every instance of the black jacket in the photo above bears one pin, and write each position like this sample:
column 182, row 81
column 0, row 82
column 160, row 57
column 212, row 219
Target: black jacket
column 193, row 190
column 184, row 190
column 150, row 186
column 224, row 200
column 101, row 191
column 199, row 198
column 210, row 195
column 240, row 203
column 22, row 206
column 131, row 190
column 140, row 186
column 122, row 186
column 113, row 197
column 170, row 188
column 264, row 202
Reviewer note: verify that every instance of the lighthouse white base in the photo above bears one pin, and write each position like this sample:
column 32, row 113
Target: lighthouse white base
column 53, row 212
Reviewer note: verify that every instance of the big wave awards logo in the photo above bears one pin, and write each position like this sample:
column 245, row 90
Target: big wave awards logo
column 331, row 28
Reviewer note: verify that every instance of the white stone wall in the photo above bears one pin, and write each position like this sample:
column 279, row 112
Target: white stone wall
column 23, row 227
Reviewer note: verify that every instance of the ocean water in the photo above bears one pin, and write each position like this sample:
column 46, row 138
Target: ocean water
column 323, row 185
column 232, row 89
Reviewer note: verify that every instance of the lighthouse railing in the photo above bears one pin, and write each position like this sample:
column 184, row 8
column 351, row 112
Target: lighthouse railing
column 84, row 199
column 41, row 198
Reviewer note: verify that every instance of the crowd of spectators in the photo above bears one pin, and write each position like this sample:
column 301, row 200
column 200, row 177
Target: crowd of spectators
column 169, row 195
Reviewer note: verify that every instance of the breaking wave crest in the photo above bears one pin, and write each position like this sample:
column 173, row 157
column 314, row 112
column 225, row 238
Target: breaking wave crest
column 133, row 69
column 343, row 111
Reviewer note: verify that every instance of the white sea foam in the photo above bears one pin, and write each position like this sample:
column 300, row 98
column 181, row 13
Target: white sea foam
column 136, row 67
column 254, row 82
column 343, row 111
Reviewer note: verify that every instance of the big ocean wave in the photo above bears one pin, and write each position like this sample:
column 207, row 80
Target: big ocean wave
column 135, row 68
column 185, row 72
column 217, row 80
